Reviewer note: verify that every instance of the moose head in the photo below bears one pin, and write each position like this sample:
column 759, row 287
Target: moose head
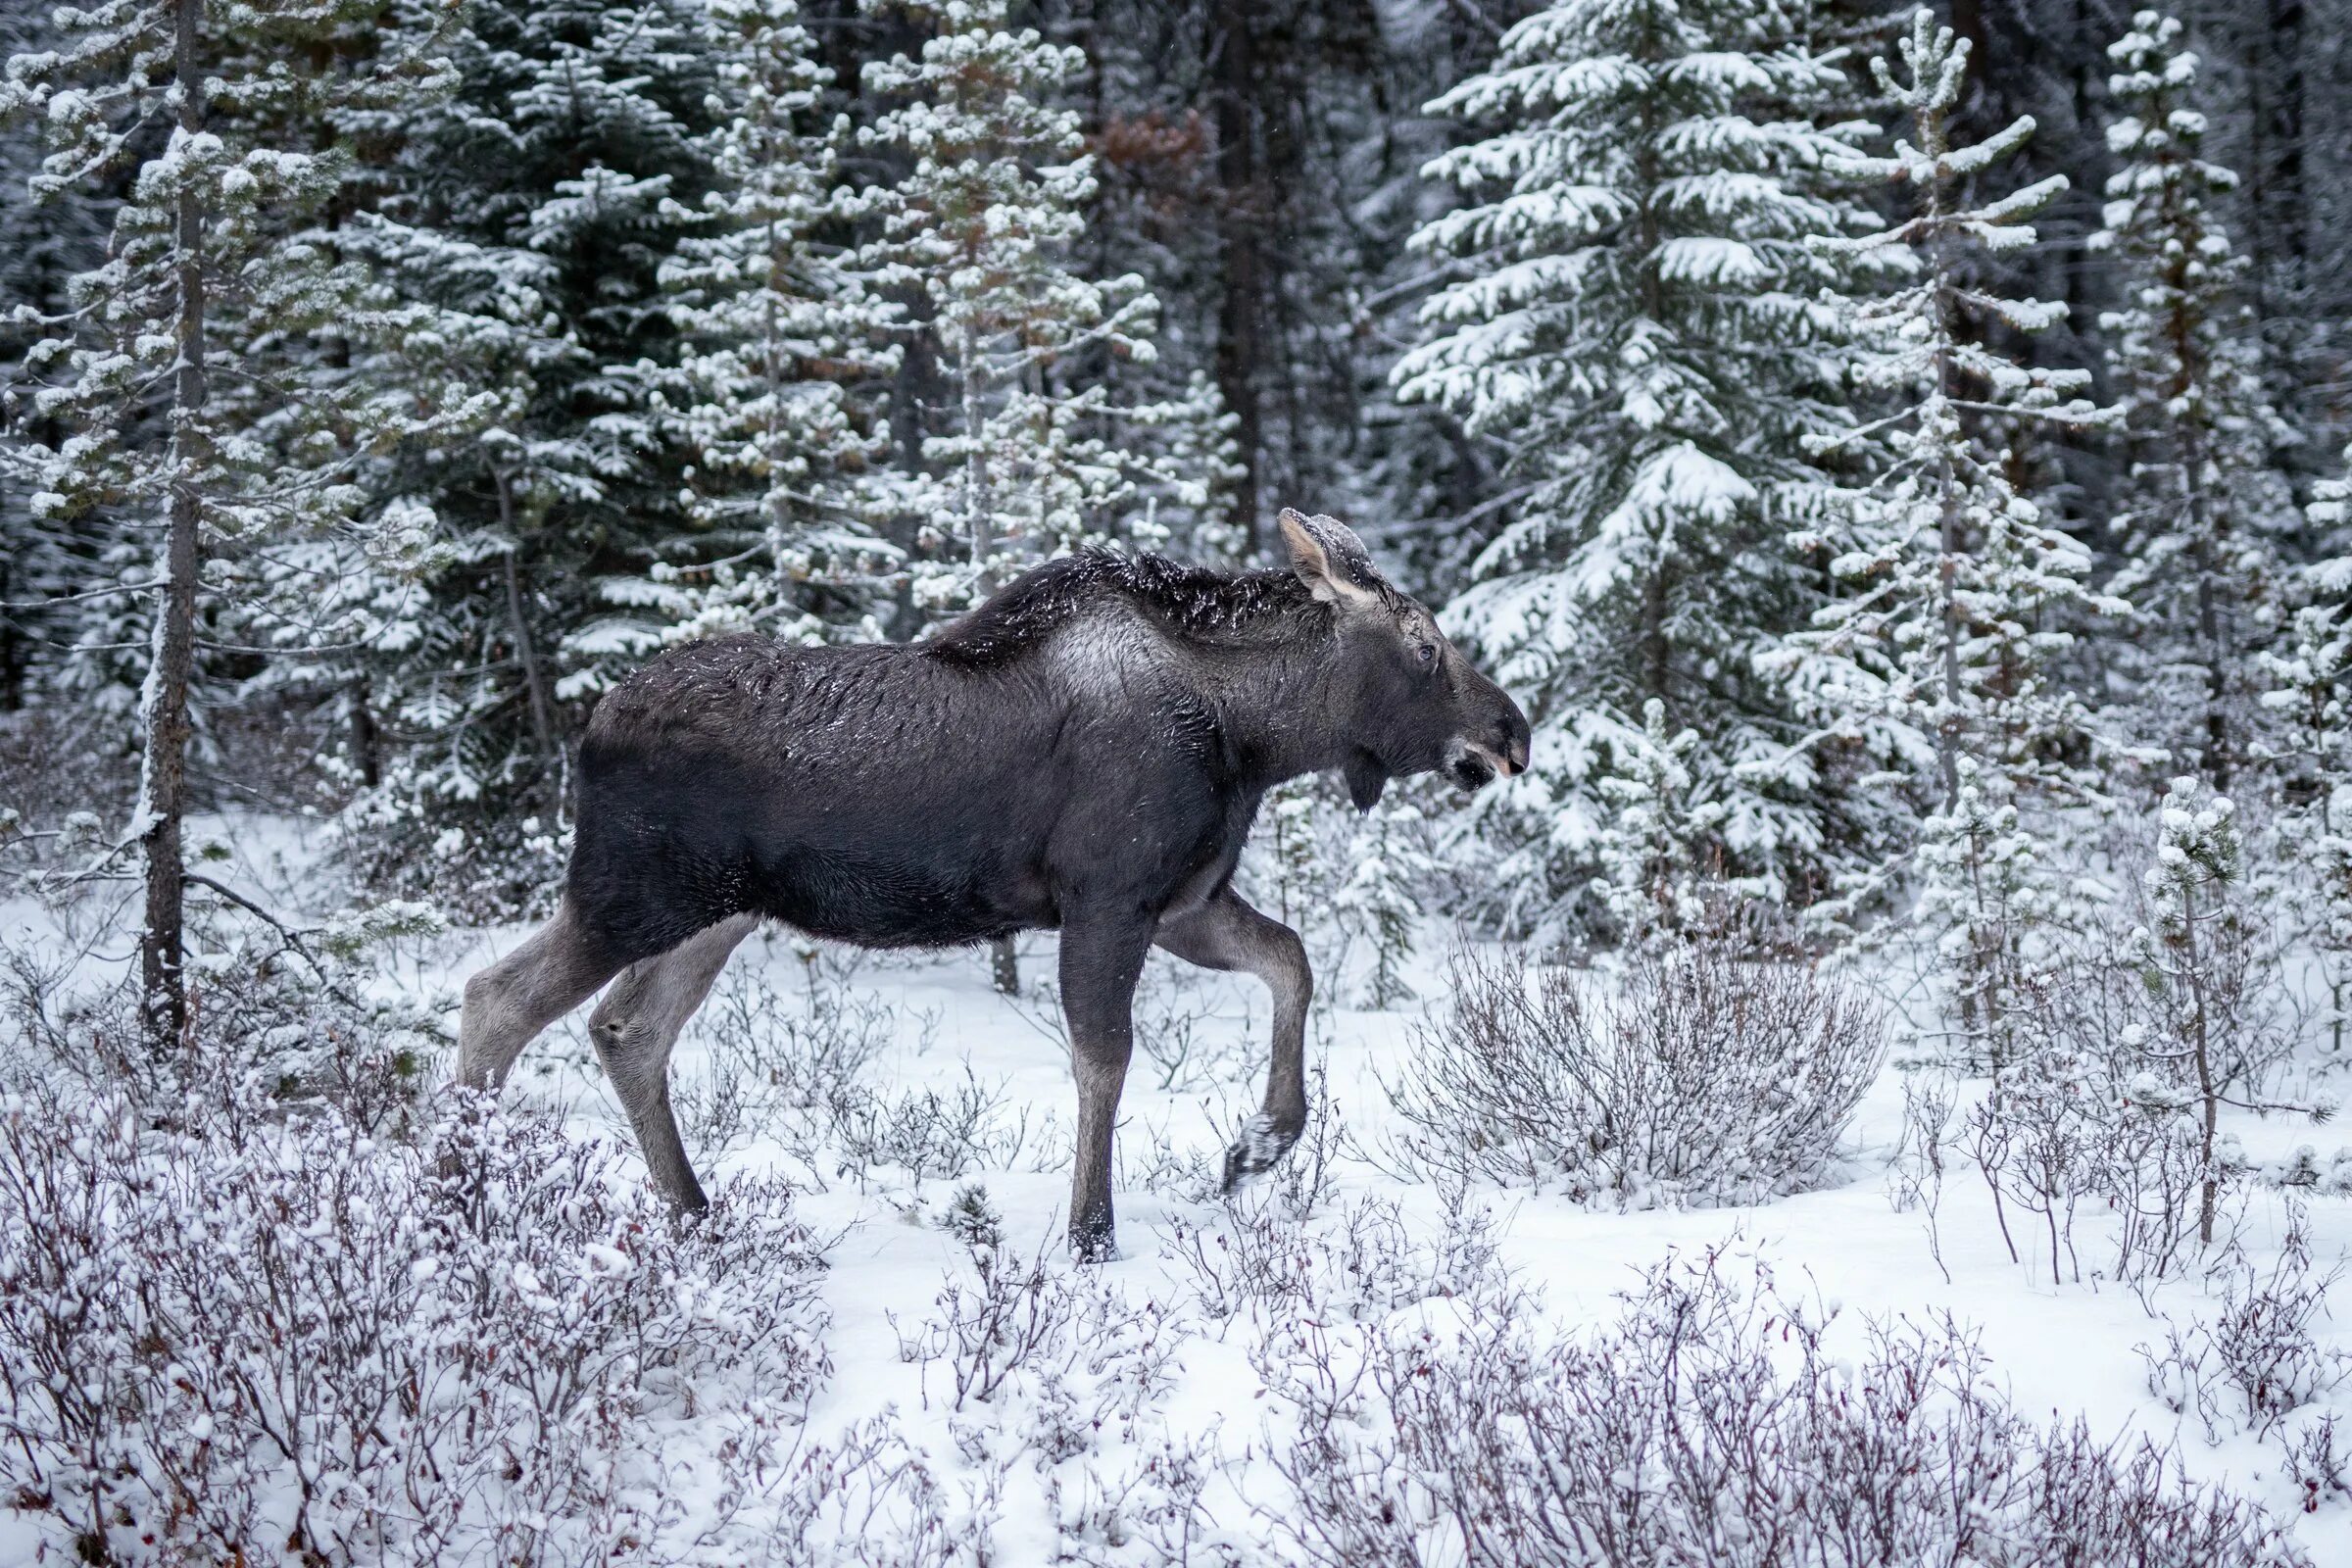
column 1406, row 701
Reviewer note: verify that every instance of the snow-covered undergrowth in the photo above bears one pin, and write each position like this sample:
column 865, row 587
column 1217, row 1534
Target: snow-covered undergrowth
column 311, row 1315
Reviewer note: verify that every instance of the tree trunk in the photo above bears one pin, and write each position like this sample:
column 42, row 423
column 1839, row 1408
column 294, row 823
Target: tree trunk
column 1238, row 221
column 979, row 495
column 163, row 702
column 534, row 685
column 367, row 735
column 1004, row 966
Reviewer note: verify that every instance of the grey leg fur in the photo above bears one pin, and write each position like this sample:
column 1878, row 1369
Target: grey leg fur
column 1101, row 961
column 1226, row 933
column 507, row 1004
column 634, row 1029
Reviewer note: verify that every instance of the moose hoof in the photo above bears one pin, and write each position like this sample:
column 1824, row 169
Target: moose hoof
column 1260, row 1148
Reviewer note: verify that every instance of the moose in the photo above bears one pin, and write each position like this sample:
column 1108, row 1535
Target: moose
column 1084, row 752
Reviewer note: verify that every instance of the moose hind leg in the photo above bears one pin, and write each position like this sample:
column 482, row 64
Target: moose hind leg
column 635, row 1027
column 507, row 1004
column 1101, row 961
column 1228, row 934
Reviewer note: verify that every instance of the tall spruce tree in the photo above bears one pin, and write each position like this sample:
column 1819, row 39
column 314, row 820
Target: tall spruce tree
column 1936, row 656
column 1635, row 324
column 2203, row 502
column 784, row 345
column 1020, row 452
column 543, row 197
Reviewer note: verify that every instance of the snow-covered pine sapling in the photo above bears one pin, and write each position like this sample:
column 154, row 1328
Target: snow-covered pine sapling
column 1018, row 461
column 1297, row 863
column 2203, row 500
column 1653, row 848
column 2310, row 699
column 1987, row 895
column 533, row 203
column 2197, row 866
column 1938, row 652
column 1632, row 315
column 782, row 335
column 1378, row 896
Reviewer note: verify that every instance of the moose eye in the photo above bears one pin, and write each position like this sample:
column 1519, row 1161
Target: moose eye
column 1427, row 654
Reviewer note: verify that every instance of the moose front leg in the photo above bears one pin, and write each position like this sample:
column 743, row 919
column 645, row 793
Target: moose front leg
column 1226, row 933
column 1101, row 961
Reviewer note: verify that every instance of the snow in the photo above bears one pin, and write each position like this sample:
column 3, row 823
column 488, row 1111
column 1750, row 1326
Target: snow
column 2061, row 1353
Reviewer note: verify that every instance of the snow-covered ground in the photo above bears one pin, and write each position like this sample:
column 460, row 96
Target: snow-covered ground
column 2062, row 1351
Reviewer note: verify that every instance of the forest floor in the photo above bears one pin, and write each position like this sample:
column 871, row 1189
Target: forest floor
column 998, row 1071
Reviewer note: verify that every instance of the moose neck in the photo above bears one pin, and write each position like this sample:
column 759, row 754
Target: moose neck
column 1282, row 710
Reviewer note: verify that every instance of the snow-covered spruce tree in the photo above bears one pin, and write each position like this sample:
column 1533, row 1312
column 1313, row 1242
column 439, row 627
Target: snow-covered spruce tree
column 1654, row 881
column 782, row 340
column 1018, row 458
column 1936, row 654
column 2190, row 888
column 173, row 400
column 1378, row 900
column 543, row 196
column 1636, row 325
column 2203, row 503
column 2309, row 709
column 44, row 562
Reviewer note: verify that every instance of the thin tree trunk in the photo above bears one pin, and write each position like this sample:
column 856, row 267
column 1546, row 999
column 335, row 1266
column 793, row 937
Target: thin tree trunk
column 543, row 723
column 1004, row 965
column 367, row 735
column 2209, row 1188
column 979, row 501
column 163, row 783
column 1238, row 219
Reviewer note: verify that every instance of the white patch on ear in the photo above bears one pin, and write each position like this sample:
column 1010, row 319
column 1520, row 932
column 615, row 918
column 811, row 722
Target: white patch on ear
column 1318, row 549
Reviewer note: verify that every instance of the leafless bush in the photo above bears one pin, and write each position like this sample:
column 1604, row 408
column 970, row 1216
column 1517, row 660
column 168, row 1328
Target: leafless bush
column 1701, row 1077
column 242, row 1329
column 1713, row 1421
column 1366, row 1263
column 1915, row 1175
column 2258, row 1360
column 301, row 1022
column 2319, row 1469
column 1151, row 1511
column 1013, row 1312
column 1187, row 1044
column 780, row 1064
column 930, row 1134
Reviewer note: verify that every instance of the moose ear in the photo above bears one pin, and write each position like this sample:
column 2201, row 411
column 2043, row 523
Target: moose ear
column 1329, row 557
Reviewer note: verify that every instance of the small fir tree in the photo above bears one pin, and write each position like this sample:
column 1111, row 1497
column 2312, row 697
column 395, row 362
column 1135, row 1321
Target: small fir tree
column 2309, row 709
column 542, row 197
column 976, row 235
column 784, row 340
column 1936, row 654
column 1378, row 899
column 1655, row 879
column 2199, row 513
column 2193, row 889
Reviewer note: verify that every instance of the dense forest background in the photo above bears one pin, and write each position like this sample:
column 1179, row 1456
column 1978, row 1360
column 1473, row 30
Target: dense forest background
column 374, row 406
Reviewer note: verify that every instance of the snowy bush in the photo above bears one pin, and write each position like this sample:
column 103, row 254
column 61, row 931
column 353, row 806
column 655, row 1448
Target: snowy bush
column 290, row 1008
column 1712, row 1421
column 1699, row 1076
column 1367, row 1262
column 237, row 1331
column 2258, row 1360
